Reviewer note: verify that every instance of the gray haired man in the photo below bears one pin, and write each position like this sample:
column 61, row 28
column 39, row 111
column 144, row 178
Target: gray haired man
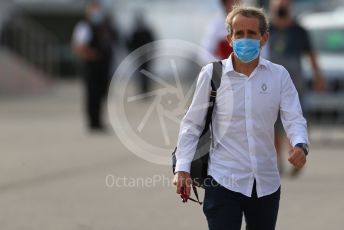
column 243, row 173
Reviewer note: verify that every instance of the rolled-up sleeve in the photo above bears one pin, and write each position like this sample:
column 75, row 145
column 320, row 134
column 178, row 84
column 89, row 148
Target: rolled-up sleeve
column 293, row 121
column 193, row 122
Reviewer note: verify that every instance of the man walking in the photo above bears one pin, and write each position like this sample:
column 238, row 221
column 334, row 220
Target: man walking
column 243, row 173
column 288, row 43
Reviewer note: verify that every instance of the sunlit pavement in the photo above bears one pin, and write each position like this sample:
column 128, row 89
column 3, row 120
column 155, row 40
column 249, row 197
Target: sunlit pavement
column 55, row 175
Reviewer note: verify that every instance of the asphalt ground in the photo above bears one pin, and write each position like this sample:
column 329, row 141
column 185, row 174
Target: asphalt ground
column 54, row 174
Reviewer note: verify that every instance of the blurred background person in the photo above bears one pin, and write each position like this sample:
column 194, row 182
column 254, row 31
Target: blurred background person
column 141, row 35
column 93, row 40
column 214, row 40
column 287, row 44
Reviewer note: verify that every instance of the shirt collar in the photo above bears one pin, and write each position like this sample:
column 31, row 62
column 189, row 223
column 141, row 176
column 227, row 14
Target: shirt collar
column 229, row 64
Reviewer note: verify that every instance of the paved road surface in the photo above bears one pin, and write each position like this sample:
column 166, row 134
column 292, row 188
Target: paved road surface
column 53, row 175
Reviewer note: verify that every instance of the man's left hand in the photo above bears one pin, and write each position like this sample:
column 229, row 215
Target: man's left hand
column 297, row 157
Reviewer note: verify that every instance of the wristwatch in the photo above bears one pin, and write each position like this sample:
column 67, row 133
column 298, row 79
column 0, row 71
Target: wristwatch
column 304, row 147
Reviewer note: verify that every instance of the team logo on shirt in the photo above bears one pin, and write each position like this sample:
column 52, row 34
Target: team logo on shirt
column 264, row 87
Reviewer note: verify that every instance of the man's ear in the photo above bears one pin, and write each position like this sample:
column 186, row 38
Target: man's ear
column 229, row 40
column 264, row 39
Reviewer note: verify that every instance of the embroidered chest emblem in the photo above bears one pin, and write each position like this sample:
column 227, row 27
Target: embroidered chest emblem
column 264, row 87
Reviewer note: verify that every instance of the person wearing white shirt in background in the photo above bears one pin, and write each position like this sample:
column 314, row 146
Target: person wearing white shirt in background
column 92, row 42
column 214, row 40
column 243, row 164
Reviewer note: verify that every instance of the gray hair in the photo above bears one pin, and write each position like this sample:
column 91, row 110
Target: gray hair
column 250, row 12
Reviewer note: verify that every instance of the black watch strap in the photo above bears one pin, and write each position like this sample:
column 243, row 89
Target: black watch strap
column 304, row 146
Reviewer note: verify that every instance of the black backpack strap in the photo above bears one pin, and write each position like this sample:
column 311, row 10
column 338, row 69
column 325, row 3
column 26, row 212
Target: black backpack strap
column 196, row 195
column 215, row 84
column 217, row 74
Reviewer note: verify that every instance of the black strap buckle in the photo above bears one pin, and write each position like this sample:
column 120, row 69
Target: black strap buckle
column 213, row 93
column 186, row 198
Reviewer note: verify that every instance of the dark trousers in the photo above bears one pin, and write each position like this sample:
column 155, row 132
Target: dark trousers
column 224, row 209
column 96, row 82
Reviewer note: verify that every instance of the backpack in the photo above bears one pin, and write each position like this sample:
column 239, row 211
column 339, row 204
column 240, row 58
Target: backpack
column 199, row 164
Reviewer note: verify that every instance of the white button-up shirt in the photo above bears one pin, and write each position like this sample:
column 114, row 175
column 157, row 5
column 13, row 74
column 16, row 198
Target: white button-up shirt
column 243, row 125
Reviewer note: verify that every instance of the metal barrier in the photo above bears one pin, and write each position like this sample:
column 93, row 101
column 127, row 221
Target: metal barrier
column 31, row 42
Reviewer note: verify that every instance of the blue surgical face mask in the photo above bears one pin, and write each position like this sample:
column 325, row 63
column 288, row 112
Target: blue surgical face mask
column 246, row 49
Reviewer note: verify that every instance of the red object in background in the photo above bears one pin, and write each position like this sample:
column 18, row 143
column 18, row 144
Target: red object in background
column 223, row 49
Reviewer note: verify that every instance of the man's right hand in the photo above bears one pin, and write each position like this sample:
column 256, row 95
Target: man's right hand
column 182, row 179
column 86, row 53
